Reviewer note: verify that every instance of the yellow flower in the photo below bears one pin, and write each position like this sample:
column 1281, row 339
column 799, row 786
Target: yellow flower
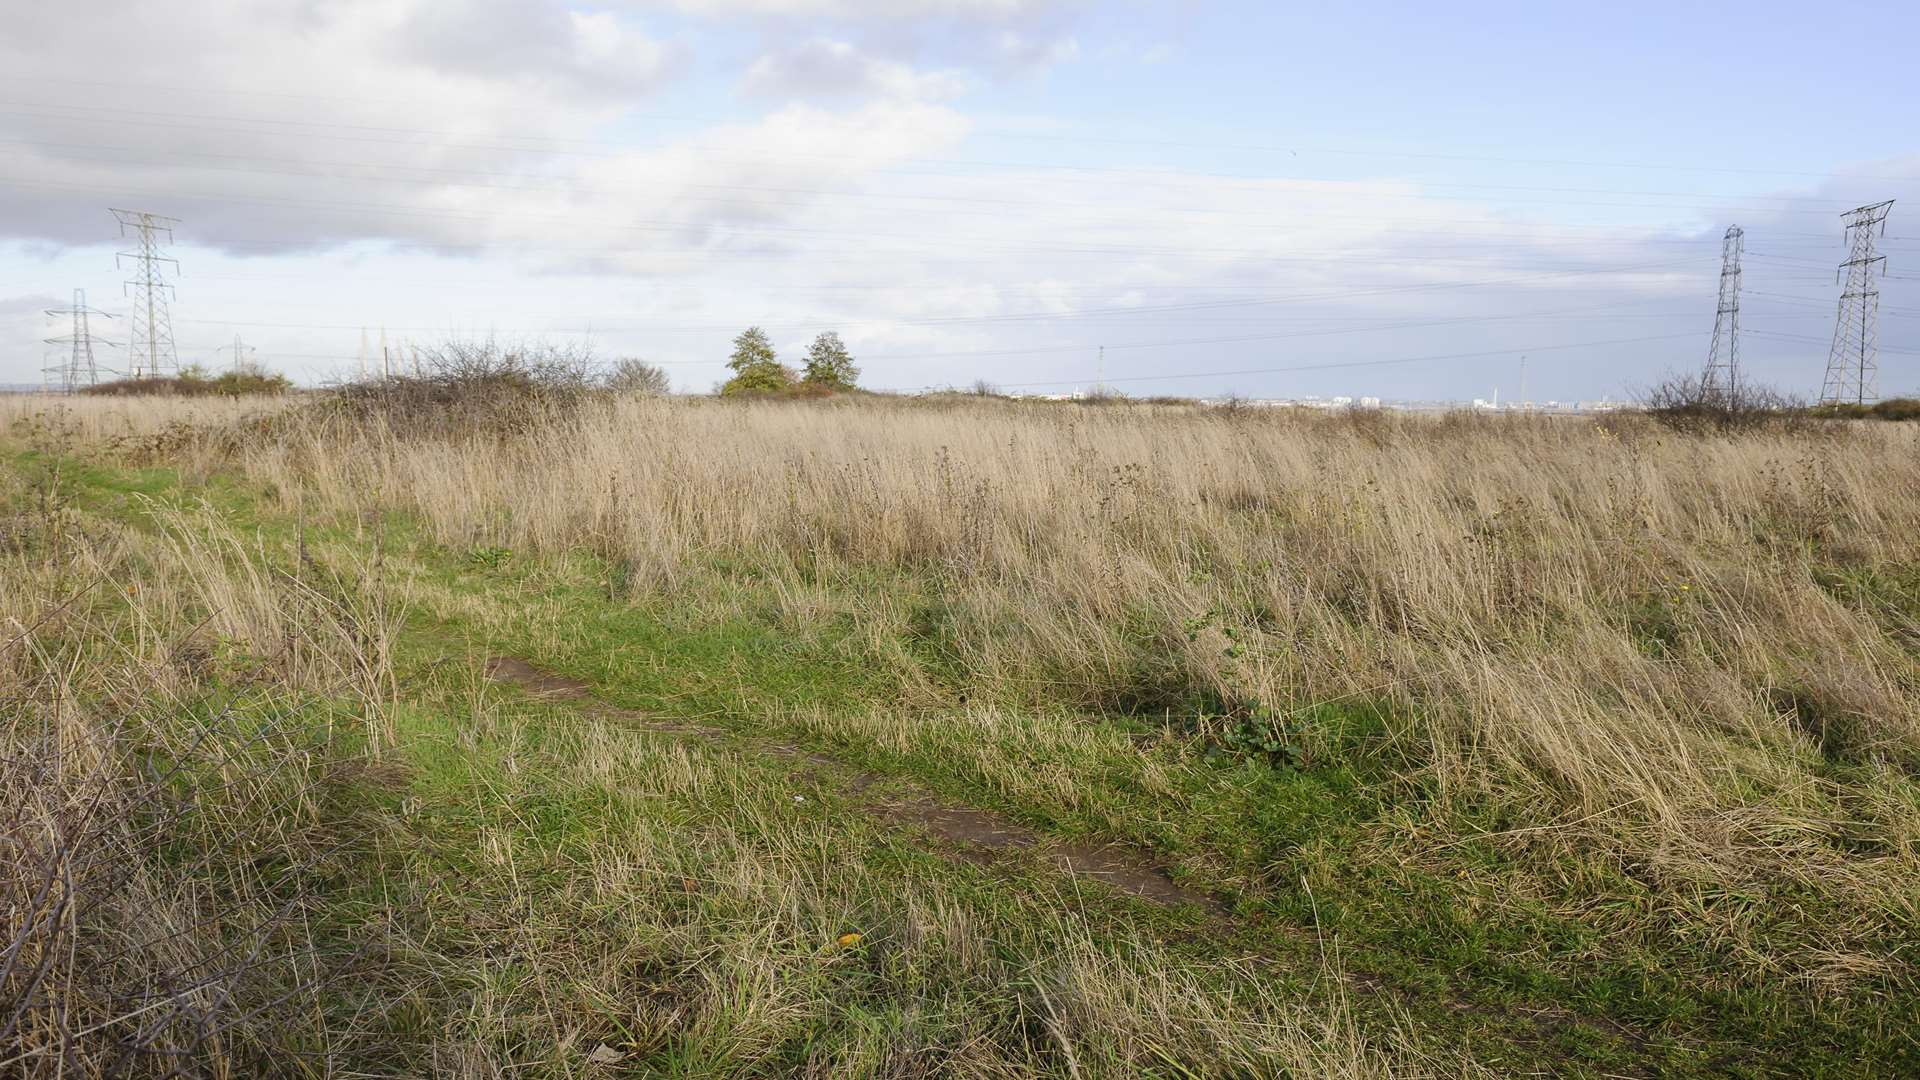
column 848, row 941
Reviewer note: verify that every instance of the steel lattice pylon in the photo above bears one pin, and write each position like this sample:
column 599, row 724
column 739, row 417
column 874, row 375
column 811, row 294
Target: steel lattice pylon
column 1722, row 378
column 1853, row 361
column 150, row 350
column 79, row 368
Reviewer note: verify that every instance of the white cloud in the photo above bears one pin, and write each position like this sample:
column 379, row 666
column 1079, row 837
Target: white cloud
column 876, row 9
column 824, row 68
column 995, row 36
column 1021, row 52
column 577, row 54
column 360, row 104
column 619, row 53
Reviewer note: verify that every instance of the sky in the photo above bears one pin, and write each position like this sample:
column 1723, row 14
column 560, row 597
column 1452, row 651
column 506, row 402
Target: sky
column 1410, row 201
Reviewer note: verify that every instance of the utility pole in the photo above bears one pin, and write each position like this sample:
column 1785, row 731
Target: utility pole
column 79, row 368
column 1853, row 361
column 150, row 351
column 1523, row 401
column 239, row 352
column 363, row 354
column 1720, row 383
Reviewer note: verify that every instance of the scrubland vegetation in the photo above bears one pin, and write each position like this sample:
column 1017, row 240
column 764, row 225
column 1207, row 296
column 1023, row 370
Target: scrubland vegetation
column 195, row 381
column 1502, row 745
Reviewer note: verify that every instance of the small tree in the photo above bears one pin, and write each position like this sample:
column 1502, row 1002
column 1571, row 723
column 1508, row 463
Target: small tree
column 751, row 349
column 759, row 379
column 639, row 377
column 829, row 364
column 756, row 370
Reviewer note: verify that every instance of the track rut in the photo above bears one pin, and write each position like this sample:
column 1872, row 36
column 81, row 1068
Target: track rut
column 969, row 832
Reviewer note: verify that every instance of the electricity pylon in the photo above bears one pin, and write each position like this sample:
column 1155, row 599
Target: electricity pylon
column 1853, row 361
column 239, row 352
column 150, row 350
column 1722, row 377
column 78, row 368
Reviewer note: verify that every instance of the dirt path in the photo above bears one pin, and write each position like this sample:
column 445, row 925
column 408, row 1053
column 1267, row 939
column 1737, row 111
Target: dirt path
column 982, row 836
column 969, row 831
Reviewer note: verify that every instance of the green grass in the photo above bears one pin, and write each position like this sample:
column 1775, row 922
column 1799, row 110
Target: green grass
column 1452, row 922
column 541, row 883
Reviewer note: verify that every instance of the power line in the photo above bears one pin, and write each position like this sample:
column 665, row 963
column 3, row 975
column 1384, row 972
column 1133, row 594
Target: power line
column 1166, row 344
column 674, row 227
column 1819, row 341
column 1137, row 176
column 1047, row 316
column 1319, row 367
column 1310, row 183
column 1343, row 324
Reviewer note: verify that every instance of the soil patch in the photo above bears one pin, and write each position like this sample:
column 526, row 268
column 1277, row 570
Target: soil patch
column 1115, row 866
column 536, row 681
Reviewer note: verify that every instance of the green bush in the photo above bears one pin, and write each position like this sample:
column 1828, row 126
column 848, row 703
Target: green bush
column 756, row 370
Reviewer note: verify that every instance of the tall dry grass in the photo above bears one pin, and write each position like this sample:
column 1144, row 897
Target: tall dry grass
column 1696, row 652
column 92, row 421
column 164, row 838
column 1598, row 621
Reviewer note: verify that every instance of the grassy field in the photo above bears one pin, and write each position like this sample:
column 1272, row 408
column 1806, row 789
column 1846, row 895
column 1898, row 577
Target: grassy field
column 582, row 735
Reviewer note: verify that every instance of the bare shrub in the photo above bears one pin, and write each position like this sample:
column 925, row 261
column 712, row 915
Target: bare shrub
column 131, row 938
column 1691, row 402
column 248, row 381
column 638, row 377
column 472, row 387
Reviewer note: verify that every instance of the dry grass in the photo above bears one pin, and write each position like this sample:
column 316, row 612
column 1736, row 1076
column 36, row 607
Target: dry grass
column 1602, row 620
column 96, row 420
column 198, row 882
column 163, row 844
column 1599, row 621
